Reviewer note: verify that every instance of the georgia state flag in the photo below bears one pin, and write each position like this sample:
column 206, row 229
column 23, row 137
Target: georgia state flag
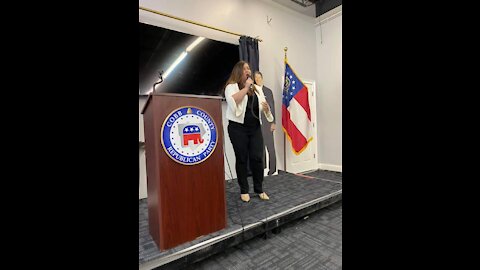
column 296, row 120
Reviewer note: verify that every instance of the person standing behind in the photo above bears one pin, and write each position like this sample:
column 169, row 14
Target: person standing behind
column 267, row 128
column 245, row 104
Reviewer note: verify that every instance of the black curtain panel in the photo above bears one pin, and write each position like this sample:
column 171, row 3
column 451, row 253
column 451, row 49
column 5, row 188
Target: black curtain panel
column 249, row 52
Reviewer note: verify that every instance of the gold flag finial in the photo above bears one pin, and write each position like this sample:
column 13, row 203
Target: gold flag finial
column 285, row 49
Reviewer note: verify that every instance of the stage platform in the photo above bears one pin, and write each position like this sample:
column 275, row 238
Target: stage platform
column 292, row 196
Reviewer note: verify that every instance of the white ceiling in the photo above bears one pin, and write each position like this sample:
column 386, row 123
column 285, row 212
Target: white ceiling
column 309, row 11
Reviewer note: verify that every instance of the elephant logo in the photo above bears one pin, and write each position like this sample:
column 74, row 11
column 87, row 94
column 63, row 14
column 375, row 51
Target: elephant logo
column 191, row 133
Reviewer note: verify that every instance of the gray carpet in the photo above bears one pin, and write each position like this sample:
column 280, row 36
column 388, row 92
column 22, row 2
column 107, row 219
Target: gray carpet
column 286, row 191
column 326, row 175
column 312, row 243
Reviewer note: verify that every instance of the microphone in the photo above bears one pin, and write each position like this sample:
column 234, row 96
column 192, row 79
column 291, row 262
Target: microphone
column 252, row 88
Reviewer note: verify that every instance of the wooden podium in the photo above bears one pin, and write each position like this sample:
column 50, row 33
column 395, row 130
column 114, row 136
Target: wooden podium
column 185, row 168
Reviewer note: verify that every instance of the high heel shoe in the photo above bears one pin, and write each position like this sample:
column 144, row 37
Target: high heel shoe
column 263, row 196
column 245, row 197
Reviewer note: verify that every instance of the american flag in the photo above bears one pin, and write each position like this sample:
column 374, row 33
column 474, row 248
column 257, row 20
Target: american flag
column 296, row 120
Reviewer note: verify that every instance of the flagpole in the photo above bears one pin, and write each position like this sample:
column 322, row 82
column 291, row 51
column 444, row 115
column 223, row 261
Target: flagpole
column 284, row 134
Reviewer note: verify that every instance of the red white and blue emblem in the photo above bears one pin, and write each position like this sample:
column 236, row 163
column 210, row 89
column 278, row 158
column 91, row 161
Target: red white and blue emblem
column 189, row 135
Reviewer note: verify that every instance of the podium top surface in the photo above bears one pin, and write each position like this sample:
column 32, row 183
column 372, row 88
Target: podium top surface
column 177, row 95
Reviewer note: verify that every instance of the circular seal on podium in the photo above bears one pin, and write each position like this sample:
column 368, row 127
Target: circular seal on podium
column 189, row 135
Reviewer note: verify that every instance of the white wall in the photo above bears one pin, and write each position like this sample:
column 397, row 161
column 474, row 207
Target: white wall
column 287, row 28
column 143, row 172
column 328, row 31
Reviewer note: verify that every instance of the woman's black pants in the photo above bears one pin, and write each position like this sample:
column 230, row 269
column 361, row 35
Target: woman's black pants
column 248, row 145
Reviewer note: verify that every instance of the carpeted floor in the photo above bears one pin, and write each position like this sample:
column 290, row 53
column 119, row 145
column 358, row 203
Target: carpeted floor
column 313, row 243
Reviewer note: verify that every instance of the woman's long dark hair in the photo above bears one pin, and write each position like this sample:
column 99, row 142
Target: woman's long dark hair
column 236, row 75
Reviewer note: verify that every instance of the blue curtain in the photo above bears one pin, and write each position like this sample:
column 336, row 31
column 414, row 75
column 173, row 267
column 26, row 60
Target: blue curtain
column 249, row 52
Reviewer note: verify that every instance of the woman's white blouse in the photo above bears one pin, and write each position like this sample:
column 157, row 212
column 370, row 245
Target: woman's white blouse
column 236, row 112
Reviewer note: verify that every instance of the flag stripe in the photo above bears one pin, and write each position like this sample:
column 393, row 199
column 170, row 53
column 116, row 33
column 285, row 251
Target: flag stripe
column 302, row 99
column 295, row 136
column 298, row 116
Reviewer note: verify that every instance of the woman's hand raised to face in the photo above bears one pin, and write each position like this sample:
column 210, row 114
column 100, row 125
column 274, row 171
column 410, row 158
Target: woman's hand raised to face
column 248, row 82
